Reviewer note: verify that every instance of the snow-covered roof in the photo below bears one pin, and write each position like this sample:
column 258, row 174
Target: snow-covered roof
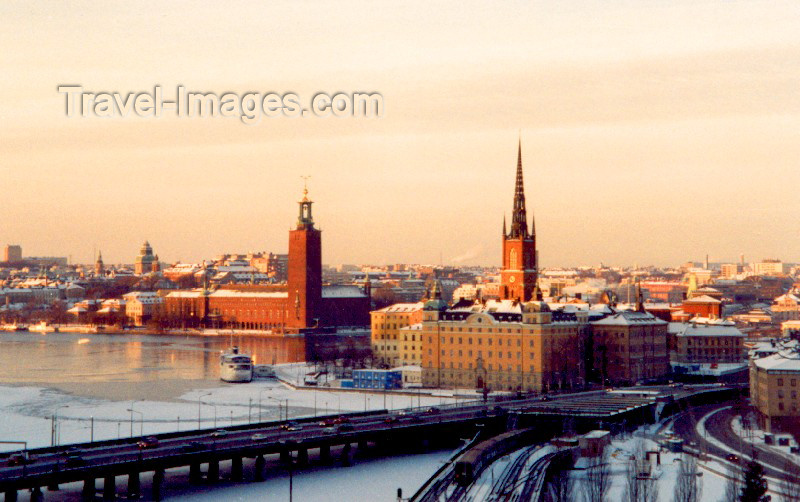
column 630, row 318
column 785, row 360
column 344, row 291
column 690, row 329
column 402, row 307
column 702, row 299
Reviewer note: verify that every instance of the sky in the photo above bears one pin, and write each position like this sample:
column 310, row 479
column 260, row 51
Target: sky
column 653, row 132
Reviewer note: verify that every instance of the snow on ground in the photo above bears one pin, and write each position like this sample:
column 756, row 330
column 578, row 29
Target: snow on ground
column 26, row 413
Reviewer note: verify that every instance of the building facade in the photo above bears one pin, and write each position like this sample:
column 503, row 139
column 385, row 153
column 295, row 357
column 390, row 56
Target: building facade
column 387, row 324
column 630, row 346
column 514, row 343
column 302, row 304
column 775, row 390
column 709, row 344
column 12, row 253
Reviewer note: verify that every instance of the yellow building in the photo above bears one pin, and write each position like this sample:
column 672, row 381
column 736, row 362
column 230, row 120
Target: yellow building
column 774, row 389
column 410, row 344
column 387, row 337
column 501, row 345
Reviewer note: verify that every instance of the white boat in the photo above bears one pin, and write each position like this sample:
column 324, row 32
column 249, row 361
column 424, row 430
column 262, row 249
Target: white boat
column 235, row 367
column 43, row 327
column 14, row 327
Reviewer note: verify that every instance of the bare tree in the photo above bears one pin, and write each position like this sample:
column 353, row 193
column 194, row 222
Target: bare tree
column 733, row 484
column 687, row 486
column 639, row 485
column 598, row 478
column 561, row 487
column 790, row 483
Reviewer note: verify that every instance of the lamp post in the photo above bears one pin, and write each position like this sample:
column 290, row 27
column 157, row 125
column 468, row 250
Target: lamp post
column 132, row 412
column 141, row 421
column 259, row 402
column 54, row 425
column 199, row 402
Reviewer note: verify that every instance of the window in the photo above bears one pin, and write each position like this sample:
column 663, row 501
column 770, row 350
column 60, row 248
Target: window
column 780, row 382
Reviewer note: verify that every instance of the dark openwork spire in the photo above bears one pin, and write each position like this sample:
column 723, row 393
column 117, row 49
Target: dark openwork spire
column 519, row 219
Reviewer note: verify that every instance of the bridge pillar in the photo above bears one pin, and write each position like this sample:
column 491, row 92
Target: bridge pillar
column 158, row 482
column 345, row 457
column 325, row 453
column 362, row 447
column 134, row 486
column 11, row 496
column 36, row 494
column 213, row 471
column 302, row 456
column 109, row 488
column 52, row 487
column 194, row 473
column 260, row 465
column 88, row 489
column 285, row 456
column 236, row 469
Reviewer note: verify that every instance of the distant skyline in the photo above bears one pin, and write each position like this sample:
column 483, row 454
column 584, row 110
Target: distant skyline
column 652, row 132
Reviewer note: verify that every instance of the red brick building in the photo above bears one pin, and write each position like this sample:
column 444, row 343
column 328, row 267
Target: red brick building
column 302, row 304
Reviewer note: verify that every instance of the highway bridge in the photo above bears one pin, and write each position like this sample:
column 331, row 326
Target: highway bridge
column 46, row 468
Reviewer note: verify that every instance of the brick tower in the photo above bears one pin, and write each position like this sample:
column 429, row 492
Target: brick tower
column 305, row 270
column 519, row 275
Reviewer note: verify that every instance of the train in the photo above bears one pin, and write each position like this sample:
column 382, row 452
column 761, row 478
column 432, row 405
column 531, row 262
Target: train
column 472, row 462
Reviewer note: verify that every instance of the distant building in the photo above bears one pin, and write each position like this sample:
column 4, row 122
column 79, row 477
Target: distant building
column 709, row 344
column 12, row 253
column 140, row 306
column 786, row 308
column 772, row 267
column 730, row 270
column 146, row 262
column 99, row 266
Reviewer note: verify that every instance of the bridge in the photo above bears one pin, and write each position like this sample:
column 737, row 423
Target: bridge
column 37, row 469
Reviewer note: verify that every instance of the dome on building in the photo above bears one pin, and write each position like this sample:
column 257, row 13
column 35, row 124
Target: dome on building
column 535, row 306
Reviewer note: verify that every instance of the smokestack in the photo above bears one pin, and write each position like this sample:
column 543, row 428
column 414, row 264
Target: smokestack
column 706, row 262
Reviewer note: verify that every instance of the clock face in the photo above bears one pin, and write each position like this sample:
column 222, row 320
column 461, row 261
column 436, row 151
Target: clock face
column 512, row 279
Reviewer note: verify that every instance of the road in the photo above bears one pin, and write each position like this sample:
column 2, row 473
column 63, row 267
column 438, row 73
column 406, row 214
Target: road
column 719, row 426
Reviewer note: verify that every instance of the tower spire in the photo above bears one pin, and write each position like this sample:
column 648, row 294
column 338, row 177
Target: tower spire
column 519, row 218
column 504, row 224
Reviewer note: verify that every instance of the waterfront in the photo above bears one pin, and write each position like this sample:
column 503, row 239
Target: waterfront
column 131, row 366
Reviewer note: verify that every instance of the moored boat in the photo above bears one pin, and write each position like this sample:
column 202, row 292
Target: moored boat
column 235, row 366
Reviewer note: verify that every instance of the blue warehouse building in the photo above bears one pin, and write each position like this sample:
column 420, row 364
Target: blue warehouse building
column 377, row 379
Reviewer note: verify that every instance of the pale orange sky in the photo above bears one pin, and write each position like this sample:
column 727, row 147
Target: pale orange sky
column 653, row 131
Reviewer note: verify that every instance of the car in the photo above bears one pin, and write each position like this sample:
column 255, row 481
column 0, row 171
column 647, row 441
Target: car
column 544, row 398
column 433, row 410
column 148, row 442
column 20, row 459
column 328, row 422
column 74, row 459
column 291, row 426
column 391, row 419
column 405, row 412
column 730, row 457
column 341, row 420
column 192, row 447
column 258, row 436
column 345, row 428
column 329, row 430
column 219, row 433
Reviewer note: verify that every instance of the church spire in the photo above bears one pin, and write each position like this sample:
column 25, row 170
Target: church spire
column 519, row 218
column 504, row 225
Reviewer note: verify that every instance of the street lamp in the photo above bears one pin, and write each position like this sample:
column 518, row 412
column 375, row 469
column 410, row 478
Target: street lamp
column 54, row 424
column 132, row 412
column 215, row 411
column 141, row 421
column 201, row 396
column 259, row 402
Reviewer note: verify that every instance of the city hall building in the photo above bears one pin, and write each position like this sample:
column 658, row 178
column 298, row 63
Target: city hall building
column 302, row 304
